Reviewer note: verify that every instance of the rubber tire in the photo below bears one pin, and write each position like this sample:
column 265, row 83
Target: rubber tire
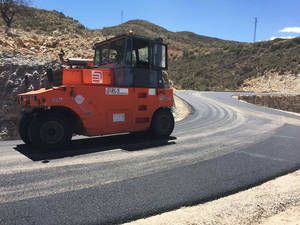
column 23, row 126
column 162, row 124
column 38, row 127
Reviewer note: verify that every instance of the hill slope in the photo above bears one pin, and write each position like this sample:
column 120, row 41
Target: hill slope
column 196, row 62
column 45, row 21
column 204, row 63
column 229, row 66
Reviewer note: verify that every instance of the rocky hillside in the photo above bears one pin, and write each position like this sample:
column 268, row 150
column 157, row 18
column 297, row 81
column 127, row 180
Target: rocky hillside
column 45, row 22
column 31, row 54
column 195, row 61
column 13, row 67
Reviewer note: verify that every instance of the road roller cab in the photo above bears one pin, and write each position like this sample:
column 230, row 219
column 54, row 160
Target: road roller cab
column 121, row 90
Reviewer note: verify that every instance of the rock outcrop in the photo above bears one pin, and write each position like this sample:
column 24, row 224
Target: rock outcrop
column 13, row 69
column 31, row 54
column 287, row 83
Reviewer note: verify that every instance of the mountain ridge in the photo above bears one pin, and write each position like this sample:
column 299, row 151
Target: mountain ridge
column 195, row 61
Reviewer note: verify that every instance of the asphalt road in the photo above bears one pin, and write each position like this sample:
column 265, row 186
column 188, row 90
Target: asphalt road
column 223, row 147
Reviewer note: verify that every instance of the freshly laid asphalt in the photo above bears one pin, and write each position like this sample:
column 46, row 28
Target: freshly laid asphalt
column 223, row 147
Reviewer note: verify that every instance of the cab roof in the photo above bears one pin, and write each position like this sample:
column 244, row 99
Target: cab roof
column 134, row 36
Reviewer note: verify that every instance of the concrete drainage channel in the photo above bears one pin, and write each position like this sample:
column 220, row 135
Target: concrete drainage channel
column 283, row 102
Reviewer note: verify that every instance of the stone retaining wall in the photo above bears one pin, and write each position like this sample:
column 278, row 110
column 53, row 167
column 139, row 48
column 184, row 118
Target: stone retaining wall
column 282, row 102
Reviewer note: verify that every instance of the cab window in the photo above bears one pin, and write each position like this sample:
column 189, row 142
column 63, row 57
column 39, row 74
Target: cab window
column 140, row 53
column 159, row 56
column 116, row 54
column 101, row 55
column 110, row 53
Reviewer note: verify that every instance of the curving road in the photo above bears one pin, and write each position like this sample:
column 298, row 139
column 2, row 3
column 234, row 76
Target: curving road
column 223, row 147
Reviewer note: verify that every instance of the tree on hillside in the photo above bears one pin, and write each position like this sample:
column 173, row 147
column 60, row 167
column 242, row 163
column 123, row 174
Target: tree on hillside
column 9, row 8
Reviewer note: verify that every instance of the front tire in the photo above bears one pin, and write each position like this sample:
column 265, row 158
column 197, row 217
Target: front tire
column 162, row 123
column 50, row 130
column 23, row 127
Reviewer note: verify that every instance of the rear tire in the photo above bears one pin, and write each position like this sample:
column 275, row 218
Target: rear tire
column 23, row 126
column 50, row 130
column 162, row 123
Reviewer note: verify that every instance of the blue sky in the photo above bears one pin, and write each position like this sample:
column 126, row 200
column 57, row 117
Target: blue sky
column 225, row 19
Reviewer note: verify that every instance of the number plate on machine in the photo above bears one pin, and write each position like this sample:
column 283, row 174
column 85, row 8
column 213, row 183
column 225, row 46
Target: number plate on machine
column 116, row 91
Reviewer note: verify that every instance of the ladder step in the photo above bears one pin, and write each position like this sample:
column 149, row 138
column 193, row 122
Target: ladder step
column 142, row 95
column 142, row 108
column 142, row 120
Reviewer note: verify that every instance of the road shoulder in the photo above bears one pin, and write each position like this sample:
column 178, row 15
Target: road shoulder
column 181, row 109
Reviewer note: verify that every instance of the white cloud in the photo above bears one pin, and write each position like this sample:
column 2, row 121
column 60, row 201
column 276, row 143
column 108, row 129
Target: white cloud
column 288, row 37
column 290, row 30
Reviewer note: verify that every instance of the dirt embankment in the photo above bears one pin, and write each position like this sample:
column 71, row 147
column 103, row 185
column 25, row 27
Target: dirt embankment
column 283, row 102
column 285, row 85
column 181, row 109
